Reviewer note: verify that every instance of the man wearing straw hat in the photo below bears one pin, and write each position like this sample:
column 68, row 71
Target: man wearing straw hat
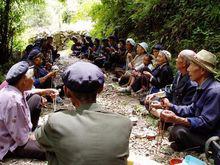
column 195, row 123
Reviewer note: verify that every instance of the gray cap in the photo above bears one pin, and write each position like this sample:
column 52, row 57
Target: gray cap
column 16, row 72
column 34, row 54
column 83, row 77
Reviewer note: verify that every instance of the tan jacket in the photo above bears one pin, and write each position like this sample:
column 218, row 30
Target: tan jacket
column 87, row 136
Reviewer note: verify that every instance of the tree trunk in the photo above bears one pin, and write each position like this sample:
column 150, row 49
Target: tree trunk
column 4, row 45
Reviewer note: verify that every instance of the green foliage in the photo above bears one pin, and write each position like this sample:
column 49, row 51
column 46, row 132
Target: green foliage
column 83, row 11
column 11, row 25
column 1, row 77
column 31, row 19
column 177, row 24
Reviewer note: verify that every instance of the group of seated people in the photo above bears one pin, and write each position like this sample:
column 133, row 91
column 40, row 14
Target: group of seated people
column 107, row 53
column 188, row 103
column 188, row 100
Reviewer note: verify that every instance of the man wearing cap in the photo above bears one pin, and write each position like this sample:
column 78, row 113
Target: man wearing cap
column 42, row 78
column 88, row 135
column 155, row 52
column 182, row 89
column 195, row 123
column 17, row 119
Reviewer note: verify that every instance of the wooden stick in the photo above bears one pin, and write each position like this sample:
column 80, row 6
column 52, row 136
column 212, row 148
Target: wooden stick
column 161, row 129
column 54, row 104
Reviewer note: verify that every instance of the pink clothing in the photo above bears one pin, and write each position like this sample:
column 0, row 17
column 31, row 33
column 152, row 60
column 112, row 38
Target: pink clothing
column 15, row 122
column 3, row 84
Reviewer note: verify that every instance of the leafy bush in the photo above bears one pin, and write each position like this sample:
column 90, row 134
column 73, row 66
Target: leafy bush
column 177, row 24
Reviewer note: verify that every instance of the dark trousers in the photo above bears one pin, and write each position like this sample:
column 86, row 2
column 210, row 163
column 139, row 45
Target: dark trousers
column 140, row 82
column 31, row 149
column 34, row 103
column 186, row 139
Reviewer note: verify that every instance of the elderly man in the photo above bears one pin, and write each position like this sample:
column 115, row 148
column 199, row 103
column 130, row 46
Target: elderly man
column 195, row 123
column 42, row 78
column 16, row 120
column 182, row 89
column 88, row 135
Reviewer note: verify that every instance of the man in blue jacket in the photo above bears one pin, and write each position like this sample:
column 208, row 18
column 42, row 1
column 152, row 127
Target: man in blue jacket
column 195, row 123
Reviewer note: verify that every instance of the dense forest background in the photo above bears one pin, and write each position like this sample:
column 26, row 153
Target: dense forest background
column 177, row 24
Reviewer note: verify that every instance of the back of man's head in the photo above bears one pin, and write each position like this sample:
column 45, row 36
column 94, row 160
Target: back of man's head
column 84, row 79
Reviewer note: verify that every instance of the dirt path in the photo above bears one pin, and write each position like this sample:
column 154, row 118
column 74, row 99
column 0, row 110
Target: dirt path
column 126, row 105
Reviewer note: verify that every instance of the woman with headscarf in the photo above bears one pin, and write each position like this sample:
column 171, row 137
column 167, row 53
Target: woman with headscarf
column 162, row 75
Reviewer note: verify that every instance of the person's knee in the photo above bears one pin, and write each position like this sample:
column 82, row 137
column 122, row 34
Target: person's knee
column 37, row 98
column 178, row 132
column 34, row 101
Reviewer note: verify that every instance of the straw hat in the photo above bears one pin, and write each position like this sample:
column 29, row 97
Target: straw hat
column 205, row 59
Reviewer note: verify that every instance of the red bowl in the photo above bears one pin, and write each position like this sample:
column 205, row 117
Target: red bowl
column 176, row 161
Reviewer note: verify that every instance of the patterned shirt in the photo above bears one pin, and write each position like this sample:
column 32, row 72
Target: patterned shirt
column 15, row 122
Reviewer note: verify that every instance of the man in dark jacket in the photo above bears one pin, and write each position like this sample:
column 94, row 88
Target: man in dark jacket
column 183, row 88
column 195, row 123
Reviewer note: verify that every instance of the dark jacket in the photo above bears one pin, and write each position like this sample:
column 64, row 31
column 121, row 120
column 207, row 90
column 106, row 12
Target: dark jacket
column 162, row 76
column 204, row 112
column 182, row 90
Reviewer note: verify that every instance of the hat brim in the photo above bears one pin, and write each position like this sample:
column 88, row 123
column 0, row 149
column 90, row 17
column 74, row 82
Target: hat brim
column 142, row 47
column 194, row 60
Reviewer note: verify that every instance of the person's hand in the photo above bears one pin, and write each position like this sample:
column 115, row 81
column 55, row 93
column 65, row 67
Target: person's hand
column 168, row 116
column 134, row 72
column 52, row 74
column 130, row 66
column 43, row 101
column 32, row 136
column 129, row 55
column 166, row 103
column 48, row 64
column 156, row 112
column 148, row 99
column 53, row 93
column 156, row 105
column 148, row 74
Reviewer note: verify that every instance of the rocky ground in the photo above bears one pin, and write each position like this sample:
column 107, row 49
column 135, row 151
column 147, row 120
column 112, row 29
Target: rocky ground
column 129, row 106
